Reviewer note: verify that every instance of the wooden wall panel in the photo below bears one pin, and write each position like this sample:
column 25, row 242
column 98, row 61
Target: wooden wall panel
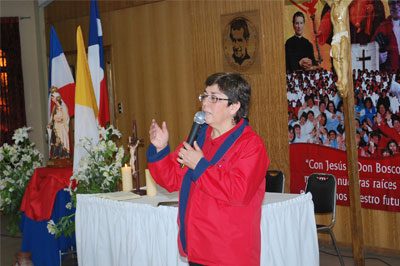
column 151, row 64
column 61, row 10
column 161, row 54
column 153, row 68
column 268, row 86
column 380, row 229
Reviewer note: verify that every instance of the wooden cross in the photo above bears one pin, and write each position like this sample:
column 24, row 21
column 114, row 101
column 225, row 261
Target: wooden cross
column 134, row 144
column 363, row 58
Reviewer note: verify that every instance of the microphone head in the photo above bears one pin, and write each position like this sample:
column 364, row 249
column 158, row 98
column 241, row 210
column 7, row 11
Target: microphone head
column 200, row 118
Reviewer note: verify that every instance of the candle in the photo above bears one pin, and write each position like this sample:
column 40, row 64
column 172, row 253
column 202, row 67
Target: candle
column 126, row 178
column 151, row 186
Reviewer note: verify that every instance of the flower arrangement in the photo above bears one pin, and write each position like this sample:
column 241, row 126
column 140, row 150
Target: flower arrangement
column 99, row 171
column 17, row 164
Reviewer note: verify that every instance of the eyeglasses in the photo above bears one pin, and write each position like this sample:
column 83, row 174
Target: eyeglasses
column 211, row 98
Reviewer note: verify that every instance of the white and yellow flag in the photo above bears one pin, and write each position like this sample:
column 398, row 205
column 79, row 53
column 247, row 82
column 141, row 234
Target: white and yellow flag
column 85, row 103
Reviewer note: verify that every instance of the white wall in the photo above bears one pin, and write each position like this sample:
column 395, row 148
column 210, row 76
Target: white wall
column 34, row 65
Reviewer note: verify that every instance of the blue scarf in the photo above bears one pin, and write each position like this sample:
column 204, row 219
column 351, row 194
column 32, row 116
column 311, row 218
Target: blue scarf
column 189, row 178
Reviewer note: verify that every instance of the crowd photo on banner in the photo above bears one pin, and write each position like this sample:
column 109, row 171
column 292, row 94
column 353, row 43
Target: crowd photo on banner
column 315, row 108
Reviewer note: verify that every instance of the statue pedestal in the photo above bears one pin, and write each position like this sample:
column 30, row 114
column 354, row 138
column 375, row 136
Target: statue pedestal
column 67, row 162
column 137, row 190
column 140, row 192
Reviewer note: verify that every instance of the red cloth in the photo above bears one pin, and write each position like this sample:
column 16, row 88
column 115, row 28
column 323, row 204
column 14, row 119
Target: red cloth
column 393, row 60
column 224, row 209
column 40, row 194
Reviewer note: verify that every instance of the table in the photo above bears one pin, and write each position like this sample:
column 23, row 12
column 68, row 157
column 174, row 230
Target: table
column 137, row 232
column 45, row 199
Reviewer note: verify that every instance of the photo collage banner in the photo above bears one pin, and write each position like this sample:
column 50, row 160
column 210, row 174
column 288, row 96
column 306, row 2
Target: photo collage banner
column 316, row 131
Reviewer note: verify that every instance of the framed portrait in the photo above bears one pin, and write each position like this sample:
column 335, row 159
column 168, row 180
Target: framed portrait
column 241, row 41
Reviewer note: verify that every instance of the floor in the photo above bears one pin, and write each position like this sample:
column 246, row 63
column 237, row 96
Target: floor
column 327, row 257
column 10, row 246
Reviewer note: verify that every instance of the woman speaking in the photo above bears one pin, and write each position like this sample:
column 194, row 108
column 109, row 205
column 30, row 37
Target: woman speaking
column 222, row 184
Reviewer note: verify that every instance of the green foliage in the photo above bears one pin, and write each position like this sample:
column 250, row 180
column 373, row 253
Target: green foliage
column 98, row 172
column 17, row 164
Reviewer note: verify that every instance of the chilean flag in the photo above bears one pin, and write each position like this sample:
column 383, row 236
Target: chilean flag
column 96, row 64
column 60, row 75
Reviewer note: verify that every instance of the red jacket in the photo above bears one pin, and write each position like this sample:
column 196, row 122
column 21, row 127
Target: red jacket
column 224, row 207
column 393, row 59
column 391, row 133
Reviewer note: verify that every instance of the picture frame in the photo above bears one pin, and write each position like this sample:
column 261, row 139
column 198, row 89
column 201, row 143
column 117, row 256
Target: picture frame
column 241, row 42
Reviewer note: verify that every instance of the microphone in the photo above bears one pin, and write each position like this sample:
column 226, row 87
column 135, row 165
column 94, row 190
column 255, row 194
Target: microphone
column 198, row 120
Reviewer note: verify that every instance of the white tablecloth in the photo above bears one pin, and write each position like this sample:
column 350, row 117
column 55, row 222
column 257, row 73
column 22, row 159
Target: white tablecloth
column 136, row 232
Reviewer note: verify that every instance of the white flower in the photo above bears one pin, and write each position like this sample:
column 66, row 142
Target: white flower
column 85, row 142
column 17, row 163
column 51, row 227
column 21, row 134
column 3, row 184
column 36, row 164
column 103, row 161
column 115, row 131
column 26, row 158
column 101, row 147
column 68, row 205
column 103, row 133
column 98, row 170
column 5, row 146
column 21, row 182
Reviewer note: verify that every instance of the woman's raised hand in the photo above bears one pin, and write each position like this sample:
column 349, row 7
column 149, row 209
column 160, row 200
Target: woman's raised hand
column 158, row 135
